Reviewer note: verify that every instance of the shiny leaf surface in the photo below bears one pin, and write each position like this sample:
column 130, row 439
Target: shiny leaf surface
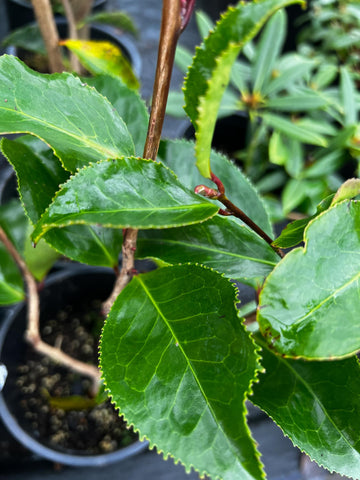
column 122, row 193
column 40, row 175
column 313, row 289
column 316, row 404
column 51, row 107
column 219, row 243
column 210, row 71
column 178, row 363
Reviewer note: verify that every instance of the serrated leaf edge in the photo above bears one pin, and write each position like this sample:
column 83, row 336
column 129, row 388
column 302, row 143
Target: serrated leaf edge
column 247, row 393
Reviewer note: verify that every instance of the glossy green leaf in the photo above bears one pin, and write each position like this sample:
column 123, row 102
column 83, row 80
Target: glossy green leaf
column 316, row 404
column 13, row 222
column 313, row 289
column 293, row 129
column 41, row 105
column 219, row 243
column 268, row 49
column 123, row 193
column 128, row 104
column 210, row 72
column 180, row 157
column 40, row 175
column 100, row 57
column 178, row 364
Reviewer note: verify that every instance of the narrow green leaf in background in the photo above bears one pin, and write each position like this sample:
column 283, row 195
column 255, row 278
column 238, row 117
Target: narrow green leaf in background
column 126, row 192
column 315, row 290
column 219, row 243
column 316, row 404
column 347, row 89
column 210, row 71
column 41, row 104
column 178, row 364
column 40, row 175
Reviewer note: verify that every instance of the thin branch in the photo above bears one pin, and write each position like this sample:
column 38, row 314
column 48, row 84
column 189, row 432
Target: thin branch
column 45, row 19
column 232, row 209
column 32, row 333
column 171, row 24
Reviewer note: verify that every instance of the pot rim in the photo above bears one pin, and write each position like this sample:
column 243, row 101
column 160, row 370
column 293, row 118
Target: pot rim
column 10, row 422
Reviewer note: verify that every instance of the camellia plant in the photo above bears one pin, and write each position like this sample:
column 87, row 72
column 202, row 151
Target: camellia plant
column 177, row 358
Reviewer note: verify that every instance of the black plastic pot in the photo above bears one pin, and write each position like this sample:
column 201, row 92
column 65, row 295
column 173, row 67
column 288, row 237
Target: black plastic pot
column 20, row 12
column 63, row 288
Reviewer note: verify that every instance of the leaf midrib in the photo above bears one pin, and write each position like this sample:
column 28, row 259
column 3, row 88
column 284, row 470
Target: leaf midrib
column 327, row 299
column 142, row 284
column 82, row 139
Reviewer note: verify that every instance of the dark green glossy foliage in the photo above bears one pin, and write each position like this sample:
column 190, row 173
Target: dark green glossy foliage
column 178, row 363
column 43, row 105
column 310, row 303
column 122, row 193
column 316, row 404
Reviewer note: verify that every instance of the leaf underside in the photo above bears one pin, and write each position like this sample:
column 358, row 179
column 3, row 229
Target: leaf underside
column 178, row 363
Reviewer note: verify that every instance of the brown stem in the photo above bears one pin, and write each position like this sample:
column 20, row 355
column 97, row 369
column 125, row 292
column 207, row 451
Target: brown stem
column 72, row 33
column 45, row 19
column 169, row 34
column 32, row 333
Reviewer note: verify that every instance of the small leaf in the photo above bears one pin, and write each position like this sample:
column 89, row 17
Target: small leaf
column 219, row 243
column 178, row 363
column 127, row 192
column 278, row 151
column 41, row 105
column 101, row 57
column 210, row 72
column 347, row 191
column 268, row 49
column 298, row 102
column 293, row 129
column 314, row 288
column 28, row 37
column 327, row 424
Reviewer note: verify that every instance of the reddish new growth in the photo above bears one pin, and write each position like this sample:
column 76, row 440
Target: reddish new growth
column 187, row 7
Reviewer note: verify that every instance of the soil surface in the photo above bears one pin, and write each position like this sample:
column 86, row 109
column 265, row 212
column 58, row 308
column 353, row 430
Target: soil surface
column 51, row 397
